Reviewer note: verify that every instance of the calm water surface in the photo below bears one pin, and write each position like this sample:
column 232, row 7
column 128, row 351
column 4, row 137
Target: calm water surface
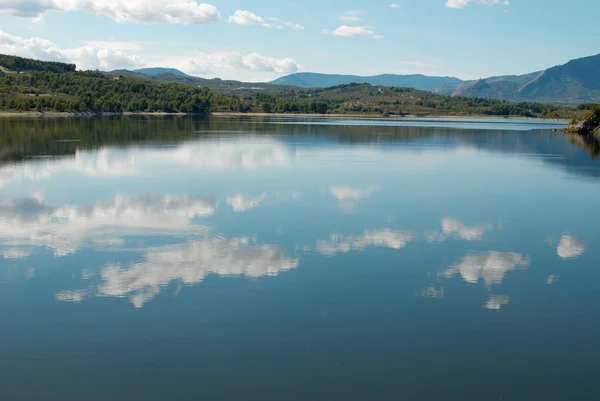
column 297, row 259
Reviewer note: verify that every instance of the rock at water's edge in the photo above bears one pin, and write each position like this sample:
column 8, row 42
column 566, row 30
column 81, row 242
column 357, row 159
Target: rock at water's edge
column 590, row 125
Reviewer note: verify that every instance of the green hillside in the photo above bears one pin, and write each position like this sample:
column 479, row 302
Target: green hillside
column 39, row 88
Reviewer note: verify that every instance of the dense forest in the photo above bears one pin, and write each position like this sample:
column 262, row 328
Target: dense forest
column 20, row 64
column 31, row 85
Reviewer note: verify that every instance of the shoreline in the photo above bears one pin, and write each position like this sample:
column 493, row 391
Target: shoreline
column 55, row 114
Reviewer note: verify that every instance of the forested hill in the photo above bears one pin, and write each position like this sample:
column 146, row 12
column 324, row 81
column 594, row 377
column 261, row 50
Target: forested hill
column 30, row 85
column 20, row 64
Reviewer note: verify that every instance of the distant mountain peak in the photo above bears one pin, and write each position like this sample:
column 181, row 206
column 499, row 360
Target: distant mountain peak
column 576, row 82
column 444, row 85
column 160, row 70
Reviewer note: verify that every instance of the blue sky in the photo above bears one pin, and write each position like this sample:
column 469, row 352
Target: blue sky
column 264, row 39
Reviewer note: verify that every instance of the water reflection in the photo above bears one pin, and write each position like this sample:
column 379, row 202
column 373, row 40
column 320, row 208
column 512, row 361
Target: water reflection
column 228, row 155
column 491, row 267
column 66, row 228
column 433, row 292
column 570, row 247
column 455, row 228
column 242, row 203
column 496, row 302
column 384, row 238
column 187, row 263
column 138, row 209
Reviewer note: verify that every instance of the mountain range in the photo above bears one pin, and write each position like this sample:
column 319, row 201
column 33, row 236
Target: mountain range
column 416, row 81
column 575, row 82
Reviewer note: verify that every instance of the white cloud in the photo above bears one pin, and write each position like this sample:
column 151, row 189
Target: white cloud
column 385, row 238
column 491, row 267
column 65, row 229
column 395, row 5
column 189, row 264
column 203, row 63
column 85, row 57
column 551, row 279
column 242, row 203
column 245, row 17
column 570, row 247
column 139, row 11
column 458, row 3
column 106, row 56
column 353, row 31
column 496, row 302
column 465, row 3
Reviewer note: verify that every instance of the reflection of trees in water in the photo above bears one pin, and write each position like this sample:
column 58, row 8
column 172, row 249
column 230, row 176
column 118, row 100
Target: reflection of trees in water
column 588, row 142
column 23, row 137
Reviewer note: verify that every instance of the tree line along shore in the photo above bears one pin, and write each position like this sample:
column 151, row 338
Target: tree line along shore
column 32, row 86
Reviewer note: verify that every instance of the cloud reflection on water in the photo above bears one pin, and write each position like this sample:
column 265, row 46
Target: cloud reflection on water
column 452, row 227
column 188, row 263
column 570, row 247
column 31, row 222
column 496, row 302
column 385, row 238
column 491, row 267
column 231, row 154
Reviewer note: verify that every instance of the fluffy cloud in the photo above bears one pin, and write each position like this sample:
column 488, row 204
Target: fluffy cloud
column 86, row 57
column 353, row 31
column 65, row 229
column 245, row 17
column 465, row 3
column 203, row 63
column 457, row 229
column 189, row 264
column 394, row 5
column 491, row 267
column 242, row 203
column 386, row 238
column 92, row 56
column 570, row 247
column 139, row 11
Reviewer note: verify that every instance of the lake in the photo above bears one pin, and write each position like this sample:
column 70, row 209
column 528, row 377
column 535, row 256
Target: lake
column 282, row 258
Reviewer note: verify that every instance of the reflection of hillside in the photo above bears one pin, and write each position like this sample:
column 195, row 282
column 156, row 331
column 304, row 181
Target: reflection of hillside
column 22, row 138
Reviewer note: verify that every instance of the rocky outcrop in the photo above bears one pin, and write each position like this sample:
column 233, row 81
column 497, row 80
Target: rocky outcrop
column 588, row 126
